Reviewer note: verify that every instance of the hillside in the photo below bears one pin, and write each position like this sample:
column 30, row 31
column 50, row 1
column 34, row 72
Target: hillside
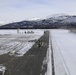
column 55, row 21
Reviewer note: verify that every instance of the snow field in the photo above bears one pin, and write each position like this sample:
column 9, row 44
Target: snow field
column 17, row 44
column 49, row 62
column 59, row 65
column 21, row 31
column 65, row 53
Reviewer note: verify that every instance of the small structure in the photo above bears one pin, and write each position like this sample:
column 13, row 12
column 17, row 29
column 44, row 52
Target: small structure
column 30, row 32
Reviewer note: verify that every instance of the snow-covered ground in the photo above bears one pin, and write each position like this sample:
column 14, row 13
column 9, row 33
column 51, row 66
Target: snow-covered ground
column 14, row 31
column 2, row 69
column 17, row 43
column 49, row 62
column 63, row 43
column 64, row 46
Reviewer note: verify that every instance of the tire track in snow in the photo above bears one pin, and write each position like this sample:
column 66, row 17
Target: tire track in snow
column 60, row 59
column 63, row 61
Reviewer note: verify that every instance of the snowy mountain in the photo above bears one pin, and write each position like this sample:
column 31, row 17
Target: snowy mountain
column 62, row 18
column 53, row 21
column 70, row 19
column 58, row 16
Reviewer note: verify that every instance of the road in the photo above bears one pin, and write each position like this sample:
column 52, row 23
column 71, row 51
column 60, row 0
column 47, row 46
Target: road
column 64, row 45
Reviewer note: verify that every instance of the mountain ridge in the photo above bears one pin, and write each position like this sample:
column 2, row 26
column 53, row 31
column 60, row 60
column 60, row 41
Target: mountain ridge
column 56, row 21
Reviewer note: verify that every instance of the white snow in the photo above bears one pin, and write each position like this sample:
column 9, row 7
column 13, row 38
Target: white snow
column 58, row 16
column 2, row 69
column 24, row 49
column 49, row 63
column 64, row 44
column 43, row 65
column 69, row 20
column 17, row 44
column 21, row 31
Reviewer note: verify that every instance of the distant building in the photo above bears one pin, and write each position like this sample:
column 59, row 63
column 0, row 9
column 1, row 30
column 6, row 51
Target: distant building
column 30, row 32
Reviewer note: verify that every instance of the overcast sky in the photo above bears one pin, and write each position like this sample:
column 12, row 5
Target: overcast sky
column 17, row 10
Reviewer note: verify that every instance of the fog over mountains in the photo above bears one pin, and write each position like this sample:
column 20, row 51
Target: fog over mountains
column 54, row 21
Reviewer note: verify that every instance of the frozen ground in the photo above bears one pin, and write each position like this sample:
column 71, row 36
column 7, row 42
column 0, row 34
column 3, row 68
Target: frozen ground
column 64, row 45
column 49, row 62
column 17, row 43
column 32, row 62
column 14, row 31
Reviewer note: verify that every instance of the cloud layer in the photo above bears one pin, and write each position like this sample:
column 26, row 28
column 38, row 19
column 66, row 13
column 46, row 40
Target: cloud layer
column 16, row 10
